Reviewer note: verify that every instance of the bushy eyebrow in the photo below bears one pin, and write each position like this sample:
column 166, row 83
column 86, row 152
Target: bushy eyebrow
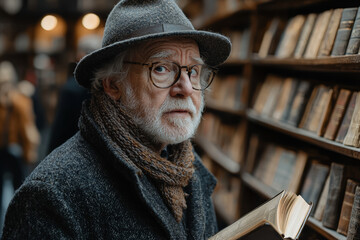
column 168, row 54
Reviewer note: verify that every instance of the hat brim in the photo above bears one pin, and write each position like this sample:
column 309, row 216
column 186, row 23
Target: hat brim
column 213, row 47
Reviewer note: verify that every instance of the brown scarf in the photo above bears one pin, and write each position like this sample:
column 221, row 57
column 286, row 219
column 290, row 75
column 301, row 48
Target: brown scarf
column 170, row 175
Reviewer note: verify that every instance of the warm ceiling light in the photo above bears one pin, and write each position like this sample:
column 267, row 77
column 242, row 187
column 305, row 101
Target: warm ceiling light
column 91, row 21
column 49, row 22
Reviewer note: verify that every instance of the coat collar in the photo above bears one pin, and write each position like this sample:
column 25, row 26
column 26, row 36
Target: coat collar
column 200, row 186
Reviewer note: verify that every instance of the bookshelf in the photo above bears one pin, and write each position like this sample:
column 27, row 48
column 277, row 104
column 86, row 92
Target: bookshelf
column 331, row 72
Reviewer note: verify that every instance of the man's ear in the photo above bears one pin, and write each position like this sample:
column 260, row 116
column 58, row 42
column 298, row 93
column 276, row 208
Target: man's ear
column 111, row 88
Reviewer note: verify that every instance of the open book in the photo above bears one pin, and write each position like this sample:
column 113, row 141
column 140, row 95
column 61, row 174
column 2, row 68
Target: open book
column 283, row 216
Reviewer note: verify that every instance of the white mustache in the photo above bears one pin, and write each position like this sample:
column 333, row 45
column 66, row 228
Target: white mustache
column 171, row 104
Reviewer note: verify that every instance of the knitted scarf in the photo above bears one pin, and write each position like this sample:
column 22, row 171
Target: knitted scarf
column 169, row 175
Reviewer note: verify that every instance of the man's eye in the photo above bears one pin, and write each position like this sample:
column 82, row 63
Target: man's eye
column 160, row 69
column 194, row 72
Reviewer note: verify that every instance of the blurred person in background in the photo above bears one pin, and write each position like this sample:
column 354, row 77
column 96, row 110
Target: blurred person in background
column 131, row 171
column 71, row 96
column 19, row 137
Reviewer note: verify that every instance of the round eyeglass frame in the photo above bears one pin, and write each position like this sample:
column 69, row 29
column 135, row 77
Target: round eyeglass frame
column 151, row 65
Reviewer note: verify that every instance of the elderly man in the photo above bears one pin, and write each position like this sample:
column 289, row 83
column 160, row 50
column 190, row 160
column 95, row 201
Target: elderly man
column 130, row 172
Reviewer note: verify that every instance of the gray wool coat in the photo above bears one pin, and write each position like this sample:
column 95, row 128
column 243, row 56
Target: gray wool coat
column 83, row 190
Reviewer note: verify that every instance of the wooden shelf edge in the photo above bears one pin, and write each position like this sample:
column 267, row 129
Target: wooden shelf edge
column 218, row 156
column 211, row 104
column 328, row 233
column 304, row 135
column 269, row 192
column 257, row 185
column 348, row 63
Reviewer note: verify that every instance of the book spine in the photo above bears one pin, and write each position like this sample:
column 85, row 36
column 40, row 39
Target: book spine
column 305, row 35
column 329, row 38
column 354, row 224
column 353, row 135
column 337, row 114
column 347, row 119
column 354, row 42
column 344, row 31
column 332, row 209
column 298, row 104
column 319, row 210
column 347, row 206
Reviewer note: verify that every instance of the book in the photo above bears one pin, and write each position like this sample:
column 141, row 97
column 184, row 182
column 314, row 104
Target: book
column 353, row 134
column 330, row 34
column 269, row 37
column 344, row 31
column 319, row 210
column 254, row 144
column 283, row 215
column 354, row 224
column 273, row 96
column 309, row 106
column 354, row 41
column 290, row 37
column 347, row 118
column 339, row 173
column 305, row 35
column 347, row 206
column 317, row 34
column 298, row 104
column 314, row 183
column 337, row 114
column 286, row 95
column 319, row 110
column 284, row 170
column 334, row 198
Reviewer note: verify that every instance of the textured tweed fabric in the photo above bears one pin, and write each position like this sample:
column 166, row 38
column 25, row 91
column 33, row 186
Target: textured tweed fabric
column 86, row 190
column 169, row 175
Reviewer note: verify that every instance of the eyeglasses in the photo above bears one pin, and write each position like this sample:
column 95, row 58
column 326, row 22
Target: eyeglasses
column 164, row 74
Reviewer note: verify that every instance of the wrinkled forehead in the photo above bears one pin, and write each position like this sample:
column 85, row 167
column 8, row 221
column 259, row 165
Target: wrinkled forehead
column 167, row 48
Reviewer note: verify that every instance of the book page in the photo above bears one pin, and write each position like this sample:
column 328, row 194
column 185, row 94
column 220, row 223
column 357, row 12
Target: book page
column 264, row 213
column 297, row 215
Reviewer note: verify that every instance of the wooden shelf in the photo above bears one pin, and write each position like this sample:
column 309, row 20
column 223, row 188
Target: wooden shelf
column 328, row 233
column 304, row 135
column 257, row 185
column 349, row 63
column 217, row 155
column 211, row 104
column 269, row 192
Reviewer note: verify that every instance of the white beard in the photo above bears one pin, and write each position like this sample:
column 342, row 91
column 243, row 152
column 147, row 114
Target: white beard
column 171, row 130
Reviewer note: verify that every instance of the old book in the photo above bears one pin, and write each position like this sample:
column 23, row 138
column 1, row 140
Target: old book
column 337, row 114
column 282, row 216
column 334, row 198
column 317, row 34
column 298, row 104
column 305, row 35
column 235, row 37
column 284, row 101
column 290, row 37
column 263, row 93
column 344, row 31
column 314, row 182
column 254, row 144
column 273, row 96
column 347, row 206
column 298, row 171
column 354, row 224
column 330, row 34
column 270, row 171
column 347, row 119
column 353, row 134
column 339, row 173
column 354, row 41
column 245, row 44
column 269, row 37
column 319, row 210
column 264, row 161
column 309, row 105
column 319, row 110
column 284, row 170
column 290, row 97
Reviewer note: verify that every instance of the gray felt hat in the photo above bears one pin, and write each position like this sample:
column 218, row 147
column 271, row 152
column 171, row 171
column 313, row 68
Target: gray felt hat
column 133, row 21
